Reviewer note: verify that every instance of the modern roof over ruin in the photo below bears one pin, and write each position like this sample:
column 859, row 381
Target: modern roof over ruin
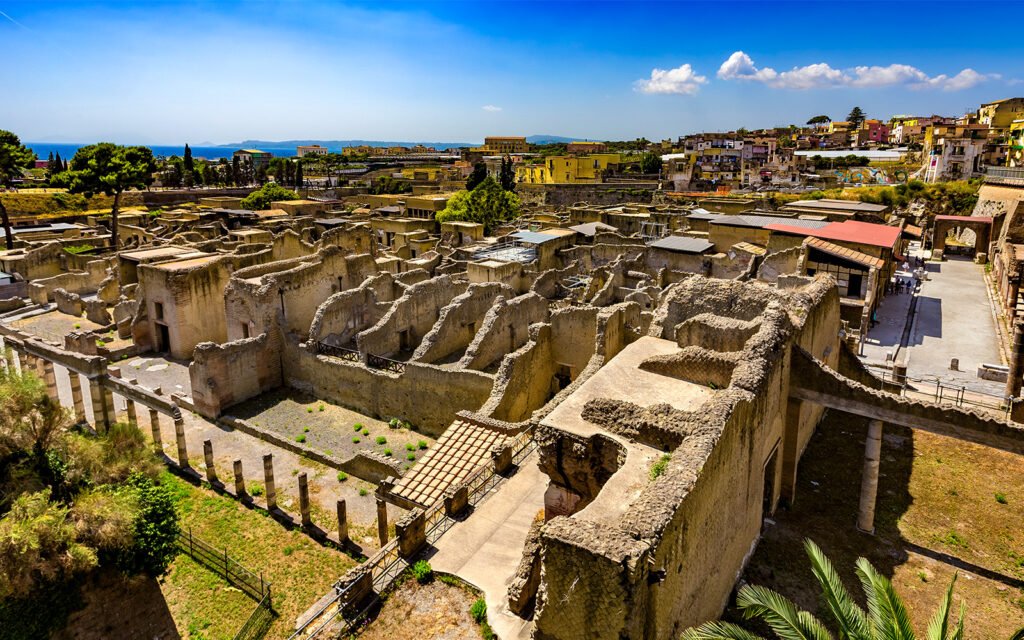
column 878, row 235
column 534, row 237
column 682, row 244
column 838, row 205
column 591, row 228
column 845, row 253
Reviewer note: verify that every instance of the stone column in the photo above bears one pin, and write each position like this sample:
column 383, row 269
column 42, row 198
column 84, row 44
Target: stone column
column 268, row 479
column 1011, row 299
column 129, row 407
column 869, row 477
column 154, row 425
column 304, row 500
column 1013, row 380
column 179, row 435
column 100, row 411
column 342, row 522
column 108, row 397
column 13, row 361
column 50, row 378
column 790, row 450
column 211, row 471
column 239, row 480
column 76, row 396
column 382, row 521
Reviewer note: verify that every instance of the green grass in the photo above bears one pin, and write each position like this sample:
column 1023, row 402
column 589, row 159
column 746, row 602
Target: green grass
column 659, row 467
column 200, row 600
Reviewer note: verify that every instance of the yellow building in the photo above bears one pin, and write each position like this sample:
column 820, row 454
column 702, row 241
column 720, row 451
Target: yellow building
column 569, row 169
column 501, row 145
column 1001, row 113
column 1015, row 154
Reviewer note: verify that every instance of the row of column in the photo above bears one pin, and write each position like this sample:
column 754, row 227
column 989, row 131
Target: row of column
column 104, row 414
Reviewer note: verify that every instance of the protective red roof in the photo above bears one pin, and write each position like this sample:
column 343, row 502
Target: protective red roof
column 878, row 235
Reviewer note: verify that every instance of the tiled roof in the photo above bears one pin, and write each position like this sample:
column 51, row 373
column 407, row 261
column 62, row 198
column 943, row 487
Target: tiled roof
column 878, row 235
column 462, row 448
column 844, row 253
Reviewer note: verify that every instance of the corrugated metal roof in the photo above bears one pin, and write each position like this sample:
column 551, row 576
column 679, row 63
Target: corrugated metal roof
column 761, row 222
column 591, row 228
column 682, row 244
column 534, row 237
column 844, row 253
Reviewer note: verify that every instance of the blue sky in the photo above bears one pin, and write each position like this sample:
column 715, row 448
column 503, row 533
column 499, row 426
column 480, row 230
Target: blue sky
column 154, row 72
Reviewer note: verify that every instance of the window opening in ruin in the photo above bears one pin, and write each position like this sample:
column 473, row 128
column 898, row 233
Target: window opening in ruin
column 245, row 330
column 158, row 310
column 403, row 340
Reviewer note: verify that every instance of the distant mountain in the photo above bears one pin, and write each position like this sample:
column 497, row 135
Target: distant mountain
column 337, row 145
column 545, row 139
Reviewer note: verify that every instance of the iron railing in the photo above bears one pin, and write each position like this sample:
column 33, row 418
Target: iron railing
column 387, row 364
column 218, row 561
column 259, row 621
column 335, row 351
column 934, row 390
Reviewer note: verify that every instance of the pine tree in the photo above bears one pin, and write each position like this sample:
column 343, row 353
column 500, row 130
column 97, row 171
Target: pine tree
column 51, row 166
column 189, row 166
column 298, row 175
column 856, row 117
column 61, row 164
column 507, row 177
column 236, row 171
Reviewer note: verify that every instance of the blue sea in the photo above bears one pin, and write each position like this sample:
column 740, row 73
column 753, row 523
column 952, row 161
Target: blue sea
column 67, row 150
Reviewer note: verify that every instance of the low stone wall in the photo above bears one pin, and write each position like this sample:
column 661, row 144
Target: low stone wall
column 223, row 375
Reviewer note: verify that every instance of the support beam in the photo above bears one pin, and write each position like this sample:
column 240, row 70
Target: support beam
column 304, row 500
column 179, row 435
column 1013, row 379
column 211, row 470
column 268, row 479
column 154, row 426
column 76, row 396
column 100, row 412
column 869, row 477
column 790, row 450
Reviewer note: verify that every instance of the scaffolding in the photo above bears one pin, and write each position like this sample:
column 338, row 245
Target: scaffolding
column 651, row 231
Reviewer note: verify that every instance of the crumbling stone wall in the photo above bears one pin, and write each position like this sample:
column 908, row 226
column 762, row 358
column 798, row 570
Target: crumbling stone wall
column 457, row 325
column 346, row 313
column 223, row 375
column 779, row 263
column 410, row 318
column 79, row 282
column 504, row 329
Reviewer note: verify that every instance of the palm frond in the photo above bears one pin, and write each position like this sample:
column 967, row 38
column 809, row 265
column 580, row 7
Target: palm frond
column 938, row 628
column 959, row 633
column 852, row 620
column 781, row 614
column 887, row 613
column 718, row 631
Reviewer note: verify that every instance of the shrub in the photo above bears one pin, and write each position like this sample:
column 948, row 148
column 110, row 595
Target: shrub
column 357, row 426
column 394, row 423
column 1001, row 498
column 305, row 430
column 479, row 611
column 321, row 407
column 363, row 492
column 309, row 409
column 387, row 452
column 381, row 440
column 422, row 571
column 342, row 476
column 300, row 438
column 659, row 467
column 255, row 489
column 355, row 440
column 410, row 446
column 410, row 456
column 366, row 431
column 422, row 444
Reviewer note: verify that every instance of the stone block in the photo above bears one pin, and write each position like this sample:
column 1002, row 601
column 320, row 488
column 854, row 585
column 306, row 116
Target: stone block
column 411, row 532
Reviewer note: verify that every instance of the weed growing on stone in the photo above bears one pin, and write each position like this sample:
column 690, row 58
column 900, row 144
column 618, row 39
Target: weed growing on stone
column 422, row 571
column 659, row 467
column 363, row 492
column 300, row 438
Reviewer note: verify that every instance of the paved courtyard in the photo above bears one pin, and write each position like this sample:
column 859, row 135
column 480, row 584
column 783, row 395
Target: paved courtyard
column 954, row 320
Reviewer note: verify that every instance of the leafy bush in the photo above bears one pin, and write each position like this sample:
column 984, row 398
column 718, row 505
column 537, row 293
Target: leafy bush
column 270, row 192
column 387, row 452
column 410, row 446
column 422, row 444
column 1001, row 498
column 342, row 476
column 355, row 440
column 422, row 571
column 300, row 438
column 410, row 456
column 659, row 467
column 479, row 611
column 381, row 440
column 357, row 426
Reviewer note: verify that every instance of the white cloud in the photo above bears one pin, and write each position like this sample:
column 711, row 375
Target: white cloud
column 682, row 80
column 491, row 108
column 740, row 66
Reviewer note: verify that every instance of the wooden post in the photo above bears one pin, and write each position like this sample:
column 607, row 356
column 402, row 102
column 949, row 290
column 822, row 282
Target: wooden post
column 869, row 477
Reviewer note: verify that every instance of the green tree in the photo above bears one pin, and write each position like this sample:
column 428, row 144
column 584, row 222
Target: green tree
column 488, row 204
column 299, row 180
column 188, row 167
column 886, row 616
column 236, row 171
column 155, row 529
column 856, row 117
column 507, row 176
column 14, row 158
column 477, row 176
column 650, row 163
column 816, row 120
column 110, row 169
column 262, row 197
